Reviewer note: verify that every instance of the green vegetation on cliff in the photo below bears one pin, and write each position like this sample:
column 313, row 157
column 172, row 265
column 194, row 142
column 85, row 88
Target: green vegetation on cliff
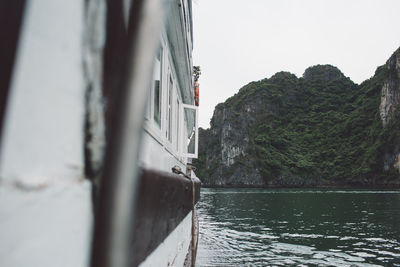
column 321, row 127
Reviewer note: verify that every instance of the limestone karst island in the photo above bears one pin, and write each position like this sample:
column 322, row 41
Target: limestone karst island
column 321, row 129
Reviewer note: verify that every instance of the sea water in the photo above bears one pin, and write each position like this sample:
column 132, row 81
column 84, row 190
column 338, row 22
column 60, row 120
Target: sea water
column 299, row 227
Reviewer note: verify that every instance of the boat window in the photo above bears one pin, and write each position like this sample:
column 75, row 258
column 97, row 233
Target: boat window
column 190, row 137
column 147, row 114
column 157, row 89
column 169, row 109
column 177, row 108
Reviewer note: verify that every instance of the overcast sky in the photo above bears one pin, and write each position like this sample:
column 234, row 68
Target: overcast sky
column 236, row 42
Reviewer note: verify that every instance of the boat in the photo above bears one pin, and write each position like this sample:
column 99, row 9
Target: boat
column 98, row 126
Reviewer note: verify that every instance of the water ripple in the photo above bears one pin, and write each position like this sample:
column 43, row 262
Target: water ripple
column 274, row 228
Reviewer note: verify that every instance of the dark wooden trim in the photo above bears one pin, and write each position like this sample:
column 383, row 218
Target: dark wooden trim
column 164, row 201
column 11, row 16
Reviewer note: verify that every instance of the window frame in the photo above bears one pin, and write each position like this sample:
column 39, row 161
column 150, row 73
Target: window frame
column 150, row 125
column 169, row 103
column 184, row 152
column 170, row 133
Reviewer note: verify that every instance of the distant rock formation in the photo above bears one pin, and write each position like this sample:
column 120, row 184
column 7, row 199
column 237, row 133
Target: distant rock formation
column 390, row 96
column 320, row 129
column 389, row 107
column 323, row 72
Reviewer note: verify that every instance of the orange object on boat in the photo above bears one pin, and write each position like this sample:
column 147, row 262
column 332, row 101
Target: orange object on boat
column 196, row 94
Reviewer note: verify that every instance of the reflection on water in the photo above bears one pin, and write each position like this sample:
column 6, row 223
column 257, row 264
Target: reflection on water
column 264, row 227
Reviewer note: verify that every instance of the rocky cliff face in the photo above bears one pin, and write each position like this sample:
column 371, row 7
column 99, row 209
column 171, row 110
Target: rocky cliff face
column 321, row 129
column 389, row 106
column 390, row 96
column 229, row 143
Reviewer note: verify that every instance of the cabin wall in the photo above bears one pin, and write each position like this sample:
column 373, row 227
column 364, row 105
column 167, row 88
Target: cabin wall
column 156, row 156
column 158, row 152
column 43, row 134
column 46, row 206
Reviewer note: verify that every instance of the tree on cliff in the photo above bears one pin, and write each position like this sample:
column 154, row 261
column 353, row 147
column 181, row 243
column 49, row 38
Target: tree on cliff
column 196, row 73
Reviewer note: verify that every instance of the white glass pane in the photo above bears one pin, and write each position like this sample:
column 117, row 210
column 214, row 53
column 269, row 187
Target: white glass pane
column 157, row 90
column 190, row 130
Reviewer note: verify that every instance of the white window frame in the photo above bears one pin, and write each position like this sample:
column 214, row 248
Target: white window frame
column 184, row 152
column 176, row 144
column 173, row 145
column 151, row 126
column 160, row 93
column 177, row 126
column 170, row 95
